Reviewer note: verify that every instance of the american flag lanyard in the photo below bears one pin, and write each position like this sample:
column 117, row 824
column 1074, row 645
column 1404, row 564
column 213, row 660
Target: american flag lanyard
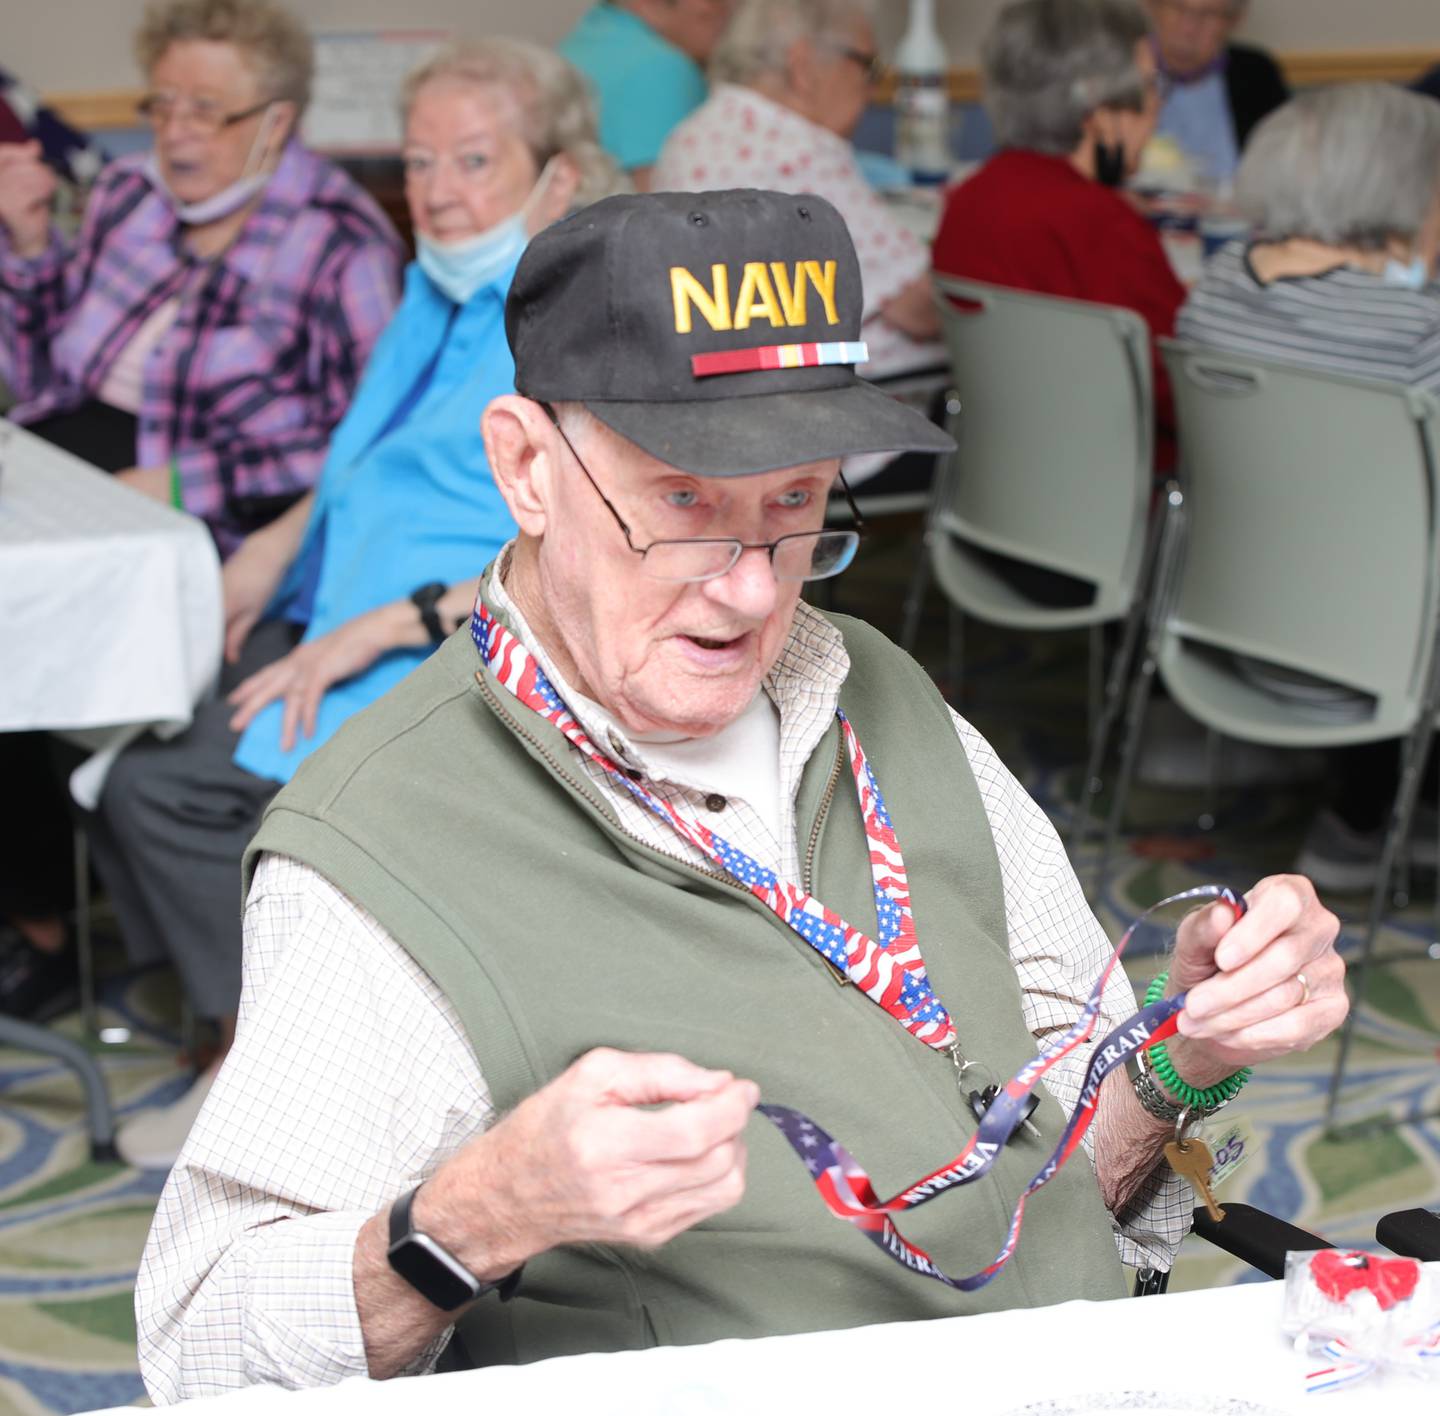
column 889, row 970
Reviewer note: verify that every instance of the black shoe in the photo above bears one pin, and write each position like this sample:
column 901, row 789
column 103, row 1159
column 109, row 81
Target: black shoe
column 36, row 985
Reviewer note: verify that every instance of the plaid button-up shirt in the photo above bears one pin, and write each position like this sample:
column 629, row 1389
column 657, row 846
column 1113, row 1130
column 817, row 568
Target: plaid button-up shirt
column 266, row 350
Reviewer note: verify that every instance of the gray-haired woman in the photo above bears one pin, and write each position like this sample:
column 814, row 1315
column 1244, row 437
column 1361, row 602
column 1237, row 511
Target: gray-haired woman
column 791, row 80
column 1070, row 88
column 1343, row 188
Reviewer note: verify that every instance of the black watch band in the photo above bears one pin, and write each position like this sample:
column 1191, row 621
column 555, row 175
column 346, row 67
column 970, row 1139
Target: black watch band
column 431, row 1269
column 426, row 599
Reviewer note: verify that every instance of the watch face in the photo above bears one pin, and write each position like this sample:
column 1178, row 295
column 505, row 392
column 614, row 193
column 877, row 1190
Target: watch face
column 432, row 1273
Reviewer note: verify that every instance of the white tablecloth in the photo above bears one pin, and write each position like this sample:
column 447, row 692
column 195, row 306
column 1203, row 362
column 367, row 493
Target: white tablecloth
column 110, row 605
column 1222, row 1349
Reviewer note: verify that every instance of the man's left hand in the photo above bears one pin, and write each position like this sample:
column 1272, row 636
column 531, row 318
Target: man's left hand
column 1247, row 1001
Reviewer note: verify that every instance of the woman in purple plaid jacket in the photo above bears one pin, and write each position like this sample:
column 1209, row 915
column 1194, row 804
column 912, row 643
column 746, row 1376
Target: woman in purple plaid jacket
column 206, row 331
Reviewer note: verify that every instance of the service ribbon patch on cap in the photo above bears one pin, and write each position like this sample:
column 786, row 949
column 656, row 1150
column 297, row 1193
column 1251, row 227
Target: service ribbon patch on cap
column 777, row 356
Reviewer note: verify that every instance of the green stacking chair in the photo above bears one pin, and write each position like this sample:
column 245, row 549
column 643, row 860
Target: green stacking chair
column 1041, row 519
column 1298, row 607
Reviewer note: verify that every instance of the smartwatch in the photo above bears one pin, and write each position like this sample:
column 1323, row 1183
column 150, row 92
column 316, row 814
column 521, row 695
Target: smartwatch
column 431, row 1269
column 426, row 599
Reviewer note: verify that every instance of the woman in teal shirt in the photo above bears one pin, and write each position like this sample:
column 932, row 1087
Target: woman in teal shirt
column 336, row 601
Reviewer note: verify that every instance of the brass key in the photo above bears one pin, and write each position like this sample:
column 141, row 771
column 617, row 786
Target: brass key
column 1192, row 1159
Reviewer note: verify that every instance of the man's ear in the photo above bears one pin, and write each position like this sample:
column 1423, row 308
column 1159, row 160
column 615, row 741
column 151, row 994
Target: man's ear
column 520, row 443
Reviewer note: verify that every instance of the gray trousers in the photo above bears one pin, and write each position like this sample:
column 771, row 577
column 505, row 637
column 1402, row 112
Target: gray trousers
column 174, row 819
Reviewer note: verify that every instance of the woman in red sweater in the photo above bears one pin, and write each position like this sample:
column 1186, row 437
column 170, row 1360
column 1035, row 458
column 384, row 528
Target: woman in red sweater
column 1070, row 88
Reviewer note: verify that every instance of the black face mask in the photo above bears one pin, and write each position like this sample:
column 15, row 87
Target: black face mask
column 1110, row 164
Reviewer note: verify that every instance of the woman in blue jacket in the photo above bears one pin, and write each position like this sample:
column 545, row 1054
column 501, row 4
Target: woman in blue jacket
column 332, row 604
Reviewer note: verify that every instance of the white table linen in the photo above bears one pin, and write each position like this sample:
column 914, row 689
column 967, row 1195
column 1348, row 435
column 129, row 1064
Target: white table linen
column 111, row 613
column 1212, row 1345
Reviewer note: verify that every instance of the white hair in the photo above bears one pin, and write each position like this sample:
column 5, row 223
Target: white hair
column 1353, row 165
column 1049, row 64
column 761, row 32
column 557, row 114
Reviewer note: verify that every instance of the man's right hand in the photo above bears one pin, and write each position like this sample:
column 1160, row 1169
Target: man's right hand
column 27, row 187
column 581, row 1162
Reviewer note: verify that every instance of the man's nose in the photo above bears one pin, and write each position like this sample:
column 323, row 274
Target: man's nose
column 749, row 588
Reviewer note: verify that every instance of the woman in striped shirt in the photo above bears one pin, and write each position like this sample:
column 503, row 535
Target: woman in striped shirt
column 1343, row 188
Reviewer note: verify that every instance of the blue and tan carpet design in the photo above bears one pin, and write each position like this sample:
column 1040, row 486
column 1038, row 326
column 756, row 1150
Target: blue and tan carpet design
column 71, row 1232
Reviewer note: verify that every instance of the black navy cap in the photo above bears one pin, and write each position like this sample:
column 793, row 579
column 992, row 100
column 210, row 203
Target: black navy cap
column 717, row 330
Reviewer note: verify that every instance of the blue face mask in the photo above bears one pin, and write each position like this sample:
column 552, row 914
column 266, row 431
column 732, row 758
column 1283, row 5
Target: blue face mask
column 459, row 268
column 1414, row 275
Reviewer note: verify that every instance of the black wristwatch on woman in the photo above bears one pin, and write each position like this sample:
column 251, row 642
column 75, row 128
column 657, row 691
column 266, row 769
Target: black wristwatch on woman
column 427, row 599
column 431, row 1269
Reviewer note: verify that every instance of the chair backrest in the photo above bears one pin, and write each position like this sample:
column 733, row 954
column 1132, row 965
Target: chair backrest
column 1056, row 435
column 1310, row 545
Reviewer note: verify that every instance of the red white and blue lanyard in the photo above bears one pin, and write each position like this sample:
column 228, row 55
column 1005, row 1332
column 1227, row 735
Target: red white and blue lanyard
column 889, row 970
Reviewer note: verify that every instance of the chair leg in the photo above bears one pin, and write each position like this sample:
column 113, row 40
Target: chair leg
column 1140, row 692
column 1146, row 593
column 1401, row 815
column 99, row 1113
column 915, row 600
column 1168, row 538
column 955, row 654
column 1095, row 688
column 84, row 940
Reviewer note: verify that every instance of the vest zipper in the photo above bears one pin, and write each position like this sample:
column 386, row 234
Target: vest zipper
column 841, row 979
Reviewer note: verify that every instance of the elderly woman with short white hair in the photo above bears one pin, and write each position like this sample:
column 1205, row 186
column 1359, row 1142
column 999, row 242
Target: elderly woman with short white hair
column 337, row 600
column 791, row 80
column 1343, row 187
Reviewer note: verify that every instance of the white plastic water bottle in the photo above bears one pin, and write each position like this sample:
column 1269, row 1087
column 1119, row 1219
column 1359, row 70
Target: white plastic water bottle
column 922, row 100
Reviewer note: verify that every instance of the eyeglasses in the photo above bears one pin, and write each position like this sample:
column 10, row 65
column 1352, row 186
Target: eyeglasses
column 803, row 555
column 868, row 60
column 205, row 115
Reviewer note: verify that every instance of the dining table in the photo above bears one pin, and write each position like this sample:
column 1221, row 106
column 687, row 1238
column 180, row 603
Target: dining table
column 110, row 626
column 1218, row 1351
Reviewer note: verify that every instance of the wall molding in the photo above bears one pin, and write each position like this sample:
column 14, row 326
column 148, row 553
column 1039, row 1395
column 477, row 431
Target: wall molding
column 103, row 109
column 1301, row 71
column 98, row 110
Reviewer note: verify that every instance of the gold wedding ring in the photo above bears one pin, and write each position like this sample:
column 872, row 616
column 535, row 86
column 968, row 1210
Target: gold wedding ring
column 1304, row 990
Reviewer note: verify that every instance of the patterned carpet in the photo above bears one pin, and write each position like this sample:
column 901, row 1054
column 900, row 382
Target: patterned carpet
column 71, row 1232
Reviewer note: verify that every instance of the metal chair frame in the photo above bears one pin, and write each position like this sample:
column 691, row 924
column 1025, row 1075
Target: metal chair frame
column 1123, row 598
column 1418, row 732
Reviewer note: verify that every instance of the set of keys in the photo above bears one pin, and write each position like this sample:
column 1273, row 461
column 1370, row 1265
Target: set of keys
column 1190, row 1156
column 980, row 1099
column 979, row 1102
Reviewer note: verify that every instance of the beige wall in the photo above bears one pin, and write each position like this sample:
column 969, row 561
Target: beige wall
column 76, row 45
column 1287, row 25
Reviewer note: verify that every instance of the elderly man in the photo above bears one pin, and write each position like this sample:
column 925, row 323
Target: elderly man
column 1215, row 92
column 645, row 61
column 520, row 964
column 792, row 79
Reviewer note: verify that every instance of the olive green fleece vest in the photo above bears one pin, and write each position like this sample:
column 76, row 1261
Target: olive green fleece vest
column 457, row 817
